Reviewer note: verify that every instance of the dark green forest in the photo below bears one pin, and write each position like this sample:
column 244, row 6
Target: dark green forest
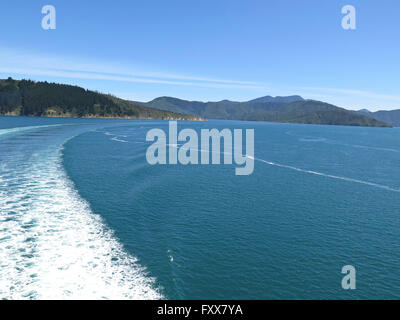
column 30, row 98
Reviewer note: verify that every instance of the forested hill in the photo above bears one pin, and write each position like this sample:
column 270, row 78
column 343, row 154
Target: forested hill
column 29, row 98
column 292, row 109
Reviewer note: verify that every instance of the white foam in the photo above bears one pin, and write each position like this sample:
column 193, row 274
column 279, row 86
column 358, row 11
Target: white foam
column 118, row 140
column 373, row 148
column 319, row 139
column 52, row 246
column 170, row 256
column 21, row 129
column 372, row 184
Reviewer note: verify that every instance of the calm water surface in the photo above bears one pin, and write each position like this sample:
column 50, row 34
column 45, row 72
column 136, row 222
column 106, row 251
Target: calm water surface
column 82, row 214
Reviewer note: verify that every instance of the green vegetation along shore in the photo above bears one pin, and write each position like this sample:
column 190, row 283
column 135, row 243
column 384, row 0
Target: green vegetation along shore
column 43, row 99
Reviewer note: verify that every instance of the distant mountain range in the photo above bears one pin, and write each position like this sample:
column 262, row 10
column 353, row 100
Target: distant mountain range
column 29, row 98
column 291, row 109
column 391, row 117
column 43, row 99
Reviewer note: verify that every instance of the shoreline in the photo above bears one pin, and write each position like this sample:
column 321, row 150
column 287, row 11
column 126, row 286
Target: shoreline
column 106, row 117
column 199, row 119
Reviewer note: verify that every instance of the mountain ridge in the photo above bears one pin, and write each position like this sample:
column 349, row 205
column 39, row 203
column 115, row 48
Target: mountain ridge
column 290, row 109
column 30, row 98
column 391, row 117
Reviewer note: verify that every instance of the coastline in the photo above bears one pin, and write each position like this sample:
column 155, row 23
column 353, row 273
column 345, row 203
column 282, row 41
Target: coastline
column 69, row 116
column 105, row 117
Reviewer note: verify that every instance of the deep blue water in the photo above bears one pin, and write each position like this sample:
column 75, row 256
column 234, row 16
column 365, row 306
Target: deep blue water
column 83, row 215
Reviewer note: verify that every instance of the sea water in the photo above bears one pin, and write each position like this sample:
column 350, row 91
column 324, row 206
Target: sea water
column 83, row 215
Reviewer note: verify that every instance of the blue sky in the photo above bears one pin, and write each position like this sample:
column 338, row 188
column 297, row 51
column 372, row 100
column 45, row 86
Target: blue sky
column 210, row 50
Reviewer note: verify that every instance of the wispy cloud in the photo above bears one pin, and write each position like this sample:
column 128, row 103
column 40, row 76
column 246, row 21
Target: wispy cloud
column 29, row 64
column 351, row 98
column 367, row 94
column 17, row 62
column 116, row 77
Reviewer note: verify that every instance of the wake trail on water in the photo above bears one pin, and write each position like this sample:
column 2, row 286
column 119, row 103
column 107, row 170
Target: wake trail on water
column 52, row 246
column 329, row 141
column 372, row 184
column 326, row 175
column 4, row 132
column 119, row 140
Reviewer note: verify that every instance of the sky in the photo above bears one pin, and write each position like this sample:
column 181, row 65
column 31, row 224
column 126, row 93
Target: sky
column 210, row 50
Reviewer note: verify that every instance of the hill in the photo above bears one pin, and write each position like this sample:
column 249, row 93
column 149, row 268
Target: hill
column 287, row 99
column 292, row 109
column 29, row 98
column 391, row 117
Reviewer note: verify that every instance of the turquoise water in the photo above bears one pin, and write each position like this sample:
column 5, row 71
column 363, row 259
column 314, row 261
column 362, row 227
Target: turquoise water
column 82, row 214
